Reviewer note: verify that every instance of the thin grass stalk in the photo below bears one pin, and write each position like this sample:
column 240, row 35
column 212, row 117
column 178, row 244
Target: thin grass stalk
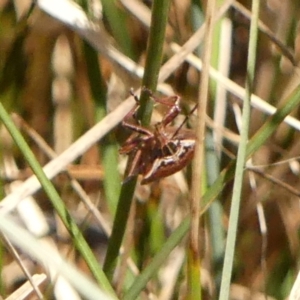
column 57, row 202
column 22, row 265
column 159, row 259
column 160, row 9
column 159, row 18
column 241, row 157
column 194, row 265
column 215, row 212
column 292, row 102
column 221, row 59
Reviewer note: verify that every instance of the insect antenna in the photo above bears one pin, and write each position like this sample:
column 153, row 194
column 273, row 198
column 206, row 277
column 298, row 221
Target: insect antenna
column 185, row 120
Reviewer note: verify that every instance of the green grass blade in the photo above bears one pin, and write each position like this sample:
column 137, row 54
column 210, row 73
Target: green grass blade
column 195, row 238
column 118, row 229
column 241, row 158
column 56, row 201
column 141, row 281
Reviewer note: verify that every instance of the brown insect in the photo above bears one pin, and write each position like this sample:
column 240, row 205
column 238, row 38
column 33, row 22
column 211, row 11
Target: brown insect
column 159, row 152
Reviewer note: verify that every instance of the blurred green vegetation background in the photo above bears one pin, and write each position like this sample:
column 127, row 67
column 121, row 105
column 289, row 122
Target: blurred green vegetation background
column 58, row 81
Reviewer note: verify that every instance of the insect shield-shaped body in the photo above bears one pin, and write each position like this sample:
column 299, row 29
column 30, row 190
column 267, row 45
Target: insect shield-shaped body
column 175, row 154
column 161, row 152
